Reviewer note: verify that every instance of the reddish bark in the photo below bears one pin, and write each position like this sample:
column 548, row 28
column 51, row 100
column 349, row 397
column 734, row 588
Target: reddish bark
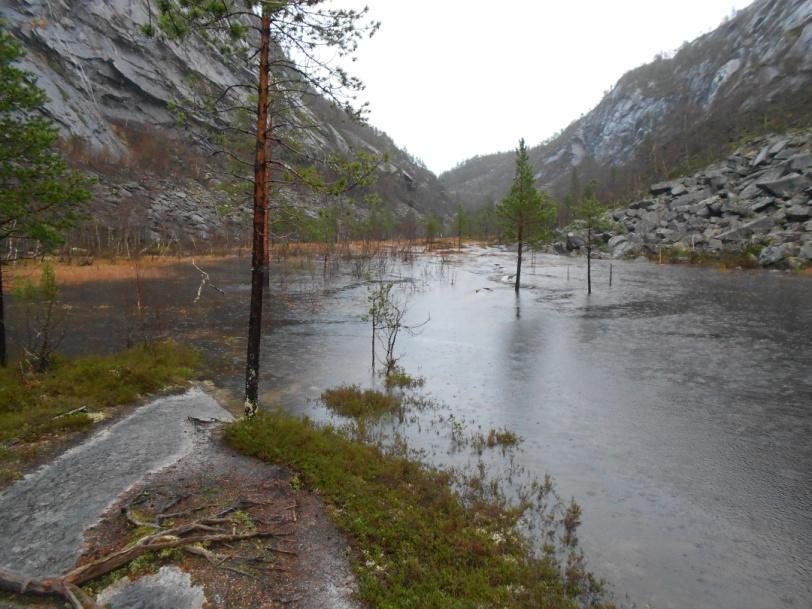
column 260, row 222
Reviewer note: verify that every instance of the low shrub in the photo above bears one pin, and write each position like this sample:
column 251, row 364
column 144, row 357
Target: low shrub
column 403, row 380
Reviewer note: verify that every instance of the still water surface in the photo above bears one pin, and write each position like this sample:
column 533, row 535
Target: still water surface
column 676, row 406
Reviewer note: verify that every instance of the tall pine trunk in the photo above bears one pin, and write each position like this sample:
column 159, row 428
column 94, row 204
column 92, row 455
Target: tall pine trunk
column 267, row 275
column 519, row 259
column 260, row 223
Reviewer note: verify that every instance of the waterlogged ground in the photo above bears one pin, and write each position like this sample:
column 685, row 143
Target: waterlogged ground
column 676, row 406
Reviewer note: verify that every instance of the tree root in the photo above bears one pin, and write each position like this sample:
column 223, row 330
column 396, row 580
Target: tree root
column 17, row 584
column 188, row 536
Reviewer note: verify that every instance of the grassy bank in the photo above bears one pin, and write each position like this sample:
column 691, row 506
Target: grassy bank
column 89, row 268
column 33, row 405
column 744, row 258
column 418, row 542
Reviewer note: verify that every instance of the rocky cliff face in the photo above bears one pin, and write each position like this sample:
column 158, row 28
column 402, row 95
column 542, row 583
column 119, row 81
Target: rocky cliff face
column 110, row 91
column 751, row 70
column 757, row 202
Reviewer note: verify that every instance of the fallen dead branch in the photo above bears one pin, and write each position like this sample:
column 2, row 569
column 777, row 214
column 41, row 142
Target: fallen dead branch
column 189, row 536
column 131, row 517
column 199, row 421
column 204, row 281
column 159, row 541
column 172, row 515
column 71, row 412
column 172, row 503
column 17, row 584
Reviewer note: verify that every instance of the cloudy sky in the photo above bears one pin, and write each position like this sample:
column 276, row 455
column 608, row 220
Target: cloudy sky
column 449, row 79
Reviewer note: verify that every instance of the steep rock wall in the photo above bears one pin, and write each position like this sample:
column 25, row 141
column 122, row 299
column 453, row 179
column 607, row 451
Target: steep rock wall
column 111, row 89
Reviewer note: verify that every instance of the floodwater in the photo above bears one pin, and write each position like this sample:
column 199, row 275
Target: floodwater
column 675, row 405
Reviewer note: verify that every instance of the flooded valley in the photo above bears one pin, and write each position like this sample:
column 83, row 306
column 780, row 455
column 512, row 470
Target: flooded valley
column 674, row 405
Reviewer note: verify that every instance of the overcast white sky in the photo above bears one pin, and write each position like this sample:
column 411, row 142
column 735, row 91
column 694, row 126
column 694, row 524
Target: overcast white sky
column 449, row 79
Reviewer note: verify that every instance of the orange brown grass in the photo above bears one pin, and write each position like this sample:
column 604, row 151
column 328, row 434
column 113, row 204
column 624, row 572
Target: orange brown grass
column 106, row 270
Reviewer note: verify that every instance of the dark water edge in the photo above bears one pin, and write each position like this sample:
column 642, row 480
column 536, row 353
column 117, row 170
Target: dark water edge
column 675, row 405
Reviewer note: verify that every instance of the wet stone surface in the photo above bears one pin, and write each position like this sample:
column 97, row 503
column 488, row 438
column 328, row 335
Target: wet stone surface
column 46, row 514
column 169, row 587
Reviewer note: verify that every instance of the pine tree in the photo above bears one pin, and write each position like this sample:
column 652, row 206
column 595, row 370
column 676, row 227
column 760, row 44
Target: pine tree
column 484, row 221
column 433, row 227
column 527, row 215
column 283, row 43
column 461, row 224
column 39, row 197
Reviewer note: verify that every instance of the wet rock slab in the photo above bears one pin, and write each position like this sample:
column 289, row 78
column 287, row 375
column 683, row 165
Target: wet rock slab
column 46, row 514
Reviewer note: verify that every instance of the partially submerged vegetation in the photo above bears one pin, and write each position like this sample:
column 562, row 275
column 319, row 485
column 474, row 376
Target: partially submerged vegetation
column 75, row 271
column 401, row 379
column 745, row 257
column 502, row 438
column 427, row 538
column 352, row 401
column 70, row 394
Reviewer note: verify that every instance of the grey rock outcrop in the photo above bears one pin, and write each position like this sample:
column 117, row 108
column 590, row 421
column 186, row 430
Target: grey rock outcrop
column 111, row 91
column 758, row 198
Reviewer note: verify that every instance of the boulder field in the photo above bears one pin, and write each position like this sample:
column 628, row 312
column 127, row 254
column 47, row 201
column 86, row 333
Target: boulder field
column 757, row 202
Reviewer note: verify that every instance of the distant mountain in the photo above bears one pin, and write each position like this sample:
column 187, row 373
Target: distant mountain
column 111, row 90
column 751, row 75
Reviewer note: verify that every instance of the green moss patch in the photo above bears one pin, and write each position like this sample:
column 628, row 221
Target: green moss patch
column 33, row 405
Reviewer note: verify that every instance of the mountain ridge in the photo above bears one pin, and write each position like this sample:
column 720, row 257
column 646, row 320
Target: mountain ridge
column 672, row 112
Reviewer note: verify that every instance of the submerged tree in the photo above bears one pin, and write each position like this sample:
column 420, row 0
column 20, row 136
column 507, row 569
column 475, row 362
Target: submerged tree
column 527, row 215
column 283, row 44
column 39, row 197
column 433, row 228
column 386, row 315
column 591, row 212
column 461, row 224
